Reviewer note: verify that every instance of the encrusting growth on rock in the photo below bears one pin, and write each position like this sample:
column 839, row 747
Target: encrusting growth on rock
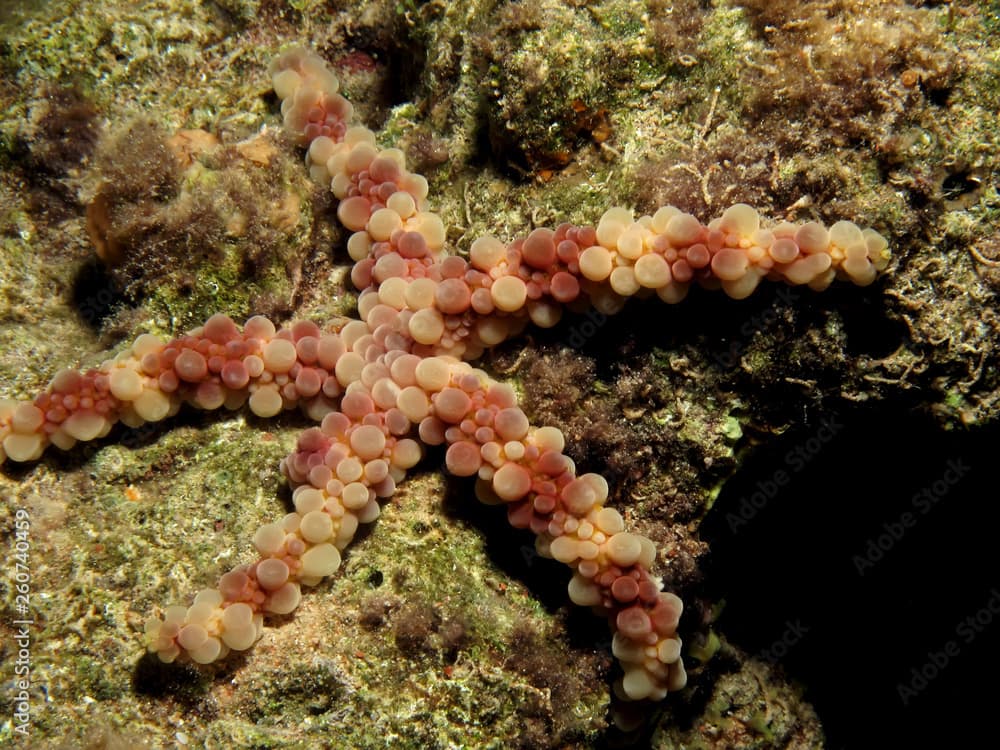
column 397, row 378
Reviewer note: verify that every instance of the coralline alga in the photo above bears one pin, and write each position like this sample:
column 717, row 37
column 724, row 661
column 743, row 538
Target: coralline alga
column 398, row 378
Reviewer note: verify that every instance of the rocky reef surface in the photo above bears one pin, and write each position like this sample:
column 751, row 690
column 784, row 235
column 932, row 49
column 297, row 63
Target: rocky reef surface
column 806, row 462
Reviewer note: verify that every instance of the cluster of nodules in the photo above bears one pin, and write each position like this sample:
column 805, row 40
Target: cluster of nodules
column 300, row 550
column 668, row 251
column 524, row 467
column 372, row 184
column 83, row 406
column 378, row 195
column 77, row 406
column 214, row 365
column 310, row 104
column 341, row 468
column 450, row 305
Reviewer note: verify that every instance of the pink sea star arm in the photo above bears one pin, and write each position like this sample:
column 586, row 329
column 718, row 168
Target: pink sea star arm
column 212, row 366
column 462, row 307
column 488, row 436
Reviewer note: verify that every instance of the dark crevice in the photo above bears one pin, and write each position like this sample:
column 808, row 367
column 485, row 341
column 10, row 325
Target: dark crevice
column 724, row 328
column 852, row 551
column 94, row 295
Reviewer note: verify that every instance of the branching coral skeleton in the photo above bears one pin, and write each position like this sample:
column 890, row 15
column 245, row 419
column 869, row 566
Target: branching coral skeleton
column 398, row 378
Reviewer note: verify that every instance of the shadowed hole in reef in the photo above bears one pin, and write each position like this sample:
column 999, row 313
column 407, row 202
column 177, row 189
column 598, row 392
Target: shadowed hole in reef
column 94, row 294
column 727, row 330
column 860, row 555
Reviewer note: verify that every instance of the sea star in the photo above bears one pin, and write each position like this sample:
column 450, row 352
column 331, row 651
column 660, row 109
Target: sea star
column 401, row 369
